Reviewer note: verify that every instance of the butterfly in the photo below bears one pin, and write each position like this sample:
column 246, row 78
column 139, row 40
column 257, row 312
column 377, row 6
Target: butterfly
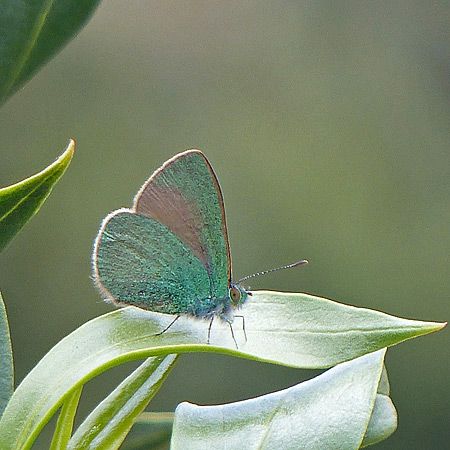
column 170, row 252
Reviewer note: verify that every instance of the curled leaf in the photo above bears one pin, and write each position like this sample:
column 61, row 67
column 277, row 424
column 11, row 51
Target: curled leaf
column 295, row 330
column 331, row 411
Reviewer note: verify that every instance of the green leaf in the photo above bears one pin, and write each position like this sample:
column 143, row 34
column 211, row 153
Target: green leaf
column 21, row 201
column 32, row 32
column 6, row 360
column 331, row 411
column 296, row 330
column 107, row 426
column 384, row 387
column 64, row 426
column 150, row 430
column 383, row 421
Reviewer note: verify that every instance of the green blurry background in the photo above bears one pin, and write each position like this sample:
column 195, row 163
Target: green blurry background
column 328, row 126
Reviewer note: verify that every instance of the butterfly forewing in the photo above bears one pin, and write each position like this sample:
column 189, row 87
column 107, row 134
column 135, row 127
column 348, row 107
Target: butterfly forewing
column 184, row 195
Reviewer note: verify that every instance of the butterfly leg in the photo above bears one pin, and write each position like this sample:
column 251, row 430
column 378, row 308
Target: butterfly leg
column 232, row 334
column 209, row 328
column 243, row 326
column 168, row 326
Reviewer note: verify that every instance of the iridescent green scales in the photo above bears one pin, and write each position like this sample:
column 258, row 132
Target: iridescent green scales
column 170, row 252
column 136, row 268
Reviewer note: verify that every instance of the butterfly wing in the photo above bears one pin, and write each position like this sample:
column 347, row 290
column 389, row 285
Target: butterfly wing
column 185, row 196
column 139, row 261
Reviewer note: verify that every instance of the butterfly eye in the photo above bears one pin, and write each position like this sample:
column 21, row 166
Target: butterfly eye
column 235, row 295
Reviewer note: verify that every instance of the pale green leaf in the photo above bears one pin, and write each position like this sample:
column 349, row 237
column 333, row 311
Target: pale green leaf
column 107, row 426
column 331, row 411
column 64, row 425
column 383, row 421
column 6, row 359
column 296, row 330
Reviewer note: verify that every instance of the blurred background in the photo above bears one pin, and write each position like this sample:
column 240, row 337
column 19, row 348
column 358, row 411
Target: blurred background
column 328, row 126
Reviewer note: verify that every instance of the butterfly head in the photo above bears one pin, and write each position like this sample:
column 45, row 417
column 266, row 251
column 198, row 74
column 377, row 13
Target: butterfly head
column 238, row 295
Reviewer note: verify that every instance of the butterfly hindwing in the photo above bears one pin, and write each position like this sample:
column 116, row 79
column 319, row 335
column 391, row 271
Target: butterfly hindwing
column 139, row 261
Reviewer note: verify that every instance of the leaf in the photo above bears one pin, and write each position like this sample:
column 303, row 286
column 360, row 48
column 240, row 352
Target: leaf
column 32, row 32
column 296, row 330
column 6, row 360
column 107, row 426
column 383, row 421
column 331, row 411
column 384, row 386
column 151, row 430
column 64, row 426
column 21, row 201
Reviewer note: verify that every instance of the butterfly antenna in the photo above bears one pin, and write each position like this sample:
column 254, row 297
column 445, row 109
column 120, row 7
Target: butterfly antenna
column 264, row 272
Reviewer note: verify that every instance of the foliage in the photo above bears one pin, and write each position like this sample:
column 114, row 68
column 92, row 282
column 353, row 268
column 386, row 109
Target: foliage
column 21, row 201
column 296, row 330
column 348, row 406
column 32, row 32
column 6, row 358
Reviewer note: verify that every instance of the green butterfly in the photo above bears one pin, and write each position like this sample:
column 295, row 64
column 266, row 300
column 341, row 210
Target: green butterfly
column 170, row 253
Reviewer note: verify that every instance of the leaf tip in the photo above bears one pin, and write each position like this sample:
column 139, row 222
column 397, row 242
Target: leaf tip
column 440, row 325
column 60, row 165
column 432, row 327
column 68, row 153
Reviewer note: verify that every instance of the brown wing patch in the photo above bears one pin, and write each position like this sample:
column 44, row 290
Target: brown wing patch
column 168, row 206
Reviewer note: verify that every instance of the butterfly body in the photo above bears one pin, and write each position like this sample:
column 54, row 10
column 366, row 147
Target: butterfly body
column 169, row 253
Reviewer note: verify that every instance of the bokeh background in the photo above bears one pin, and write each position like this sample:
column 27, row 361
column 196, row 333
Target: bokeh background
column 328, row 125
